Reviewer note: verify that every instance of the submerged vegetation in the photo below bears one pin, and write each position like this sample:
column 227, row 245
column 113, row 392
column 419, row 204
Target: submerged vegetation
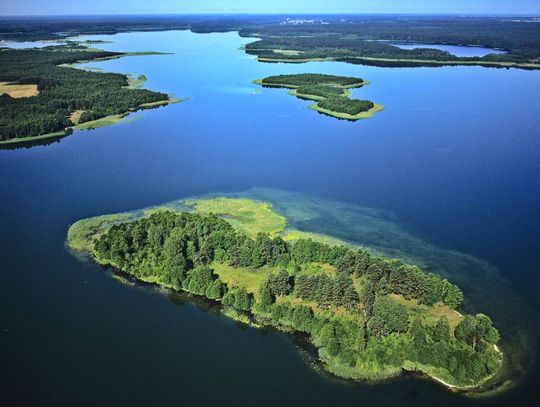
column 368, row 316
column 329, row 91
column 62, row 96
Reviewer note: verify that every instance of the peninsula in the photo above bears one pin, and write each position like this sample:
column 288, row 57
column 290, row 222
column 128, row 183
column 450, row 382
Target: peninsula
column 330, row 92
column 43, row 96
column 369, row 317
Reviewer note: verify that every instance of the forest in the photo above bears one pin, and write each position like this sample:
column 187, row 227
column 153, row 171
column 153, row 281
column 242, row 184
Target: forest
column 62, row 91
column 350, row 37
column 311, row 79
column 352, row 304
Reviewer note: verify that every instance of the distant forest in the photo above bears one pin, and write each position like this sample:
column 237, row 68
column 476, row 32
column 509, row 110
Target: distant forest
column 345, row 37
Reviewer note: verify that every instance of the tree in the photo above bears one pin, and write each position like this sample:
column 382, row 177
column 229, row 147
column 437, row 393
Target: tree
column 486, row 330
column 242, row 300
column 367, row 298
column 466, row 331
column 388, row 316
column 229, row 299
column 266, row 299
column 280, row 283
column 329, row 340
column 215, row 290
column 441, row 330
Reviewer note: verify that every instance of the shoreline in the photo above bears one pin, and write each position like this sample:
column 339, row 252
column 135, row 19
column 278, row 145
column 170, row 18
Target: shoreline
column 254, row 320
column 346, row 116
column 293, row 91
column 412, row 62
column 133, row 82
column 93, row 124
column 81, row 243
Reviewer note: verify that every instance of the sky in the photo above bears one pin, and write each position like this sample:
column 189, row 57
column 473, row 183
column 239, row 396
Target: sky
column 71, row 7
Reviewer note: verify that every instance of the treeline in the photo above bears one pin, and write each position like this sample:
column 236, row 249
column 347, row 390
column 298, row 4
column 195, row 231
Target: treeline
column 62, row 90
column 308, row 79
column 176, row 249
column 324, row 91
column 339, row 36
column 355, row 37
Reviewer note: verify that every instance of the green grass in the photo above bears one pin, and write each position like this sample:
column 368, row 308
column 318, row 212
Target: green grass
column 291, row 235
column 245, row 215
column 243, row 277
column 104, row 121
column 82, row 233
column 429, row 314
column 42, row 137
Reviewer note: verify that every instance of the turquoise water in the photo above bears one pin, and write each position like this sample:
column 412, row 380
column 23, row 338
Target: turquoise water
column 446, row 176
column 457, row 50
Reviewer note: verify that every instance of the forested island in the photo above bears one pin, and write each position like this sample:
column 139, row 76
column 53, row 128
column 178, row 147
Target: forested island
column 329, row 91
column 369, row 317
column 42, row 96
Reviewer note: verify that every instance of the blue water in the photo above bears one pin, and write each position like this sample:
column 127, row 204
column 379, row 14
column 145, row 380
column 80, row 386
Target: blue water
column 452, row 162
column 457, row 50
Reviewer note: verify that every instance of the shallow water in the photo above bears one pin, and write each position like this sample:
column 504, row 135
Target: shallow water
column 28, row 44
column 447, row 176
column 457, row 50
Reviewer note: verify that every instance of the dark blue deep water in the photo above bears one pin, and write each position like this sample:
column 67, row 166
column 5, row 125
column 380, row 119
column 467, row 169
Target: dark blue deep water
column 447, row 174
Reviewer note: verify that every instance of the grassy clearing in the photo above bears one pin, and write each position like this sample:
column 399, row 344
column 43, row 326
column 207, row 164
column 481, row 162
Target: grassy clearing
column 76, row 116
column 429, row 314
column 82, row 233
column 104, row 121
column 18, row 90
column 346, row 116
column 290, row 235
column 247, row 278
column 246, row 215
column 288, row 52
column 317, row 268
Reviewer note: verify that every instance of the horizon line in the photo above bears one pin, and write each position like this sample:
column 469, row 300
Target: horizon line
column 276, row 14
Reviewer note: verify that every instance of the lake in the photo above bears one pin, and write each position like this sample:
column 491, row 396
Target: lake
column 447, row 176
column 457, row 50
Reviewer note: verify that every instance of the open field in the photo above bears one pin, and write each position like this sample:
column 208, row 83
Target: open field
column 16, row 90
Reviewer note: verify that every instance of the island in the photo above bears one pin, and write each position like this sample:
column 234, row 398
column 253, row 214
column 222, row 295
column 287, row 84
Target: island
column 43, row 96
column 370, row 318
column 331, row 93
